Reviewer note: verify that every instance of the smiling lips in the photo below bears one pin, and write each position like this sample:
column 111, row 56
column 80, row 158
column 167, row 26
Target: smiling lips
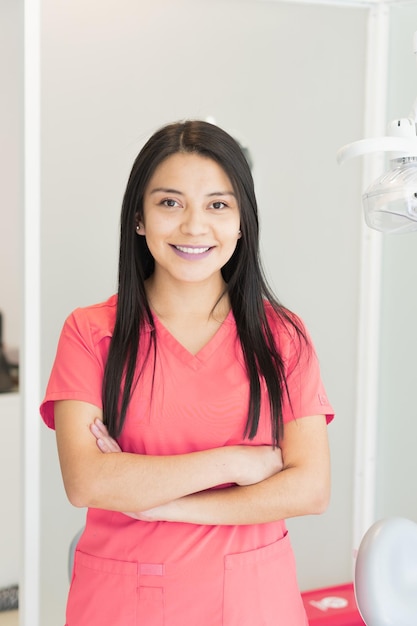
column 189, row 250
column 192, row 251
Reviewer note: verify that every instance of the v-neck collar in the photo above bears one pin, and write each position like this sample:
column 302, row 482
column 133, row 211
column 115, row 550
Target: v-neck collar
column 195, row 361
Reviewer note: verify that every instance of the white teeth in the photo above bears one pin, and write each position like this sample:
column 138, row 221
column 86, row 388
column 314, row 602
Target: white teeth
column 192, row 250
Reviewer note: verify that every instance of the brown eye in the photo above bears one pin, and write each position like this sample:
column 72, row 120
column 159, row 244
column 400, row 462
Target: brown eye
column 169, row 203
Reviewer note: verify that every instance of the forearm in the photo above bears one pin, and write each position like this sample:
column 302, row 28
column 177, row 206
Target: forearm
column 124, row 481
column 135, row 482
column 301, row 488
column 290, row 493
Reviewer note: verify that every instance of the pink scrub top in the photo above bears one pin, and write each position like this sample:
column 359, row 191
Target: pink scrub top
column 134, row 573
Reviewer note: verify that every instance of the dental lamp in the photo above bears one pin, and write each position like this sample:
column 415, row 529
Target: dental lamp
column 390, row 202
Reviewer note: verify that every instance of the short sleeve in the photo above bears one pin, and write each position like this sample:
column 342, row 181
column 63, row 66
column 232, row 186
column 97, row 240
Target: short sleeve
column 77, row 372
column 306, row 393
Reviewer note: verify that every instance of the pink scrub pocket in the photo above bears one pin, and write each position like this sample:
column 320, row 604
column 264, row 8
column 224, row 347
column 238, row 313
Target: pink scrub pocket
column 107, row 592
column 103, row 592
column 260, row 587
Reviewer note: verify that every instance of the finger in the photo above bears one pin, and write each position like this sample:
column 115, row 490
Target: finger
column 101, row 426
column 95, row 430
column 113, row 445
column 102, row 445
column 103, row 439
column 99, row 430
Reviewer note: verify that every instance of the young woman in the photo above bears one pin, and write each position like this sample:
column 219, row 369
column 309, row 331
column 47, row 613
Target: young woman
column 189, row 411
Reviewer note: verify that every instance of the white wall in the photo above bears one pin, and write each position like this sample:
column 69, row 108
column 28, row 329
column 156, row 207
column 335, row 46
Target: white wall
column 11, row 133
column 397, row 459
column 11, row 138
column 284, row 78
column 9, row 489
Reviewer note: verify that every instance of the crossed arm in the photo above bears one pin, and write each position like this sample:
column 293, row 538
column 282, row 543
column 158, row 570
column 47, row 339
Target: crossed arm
column 269, row 484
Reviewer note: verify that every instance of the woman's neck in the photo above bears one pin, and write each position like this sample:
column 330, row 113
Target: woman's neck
column 193, row 300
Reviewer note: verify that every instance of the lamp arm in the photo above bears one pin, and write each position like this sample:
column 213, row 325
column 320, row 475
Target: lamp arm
column 402, row 145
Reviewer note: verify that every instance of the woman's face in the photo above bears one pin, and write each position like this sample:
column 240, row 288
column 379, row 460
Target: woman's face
column 191, row 219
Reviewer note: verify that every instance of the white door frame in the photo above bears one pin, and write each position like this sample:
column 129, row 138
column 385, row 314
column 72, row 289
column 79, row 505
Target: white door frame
column 29, row 584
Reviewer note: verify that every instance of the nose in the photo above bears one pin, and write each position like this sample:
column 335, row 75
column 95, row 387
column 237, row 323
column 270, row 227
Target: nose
column 194, row 222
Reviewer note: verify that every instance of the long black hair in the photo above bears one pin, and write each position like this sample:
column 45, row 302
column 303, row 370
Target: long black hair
column 245, row 281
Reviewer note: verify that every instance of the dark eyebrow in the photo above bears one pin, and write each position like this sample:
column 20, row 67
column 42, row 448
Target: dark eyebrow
column 166, row 190
column 180, row 193
column 221, row 193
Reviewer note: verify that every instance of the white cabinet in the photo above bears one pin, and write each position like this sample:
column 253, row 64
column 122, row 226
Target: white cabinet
column 10, row 491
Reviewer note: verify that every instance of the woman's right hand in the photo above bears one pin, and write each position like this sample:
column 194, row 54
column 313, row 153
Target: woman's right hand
column 256, row 463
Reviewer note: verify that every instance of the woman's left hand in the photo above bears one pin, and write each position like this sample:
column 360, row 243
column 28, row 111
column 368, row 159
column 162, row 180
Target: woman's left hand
column 105, row 443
